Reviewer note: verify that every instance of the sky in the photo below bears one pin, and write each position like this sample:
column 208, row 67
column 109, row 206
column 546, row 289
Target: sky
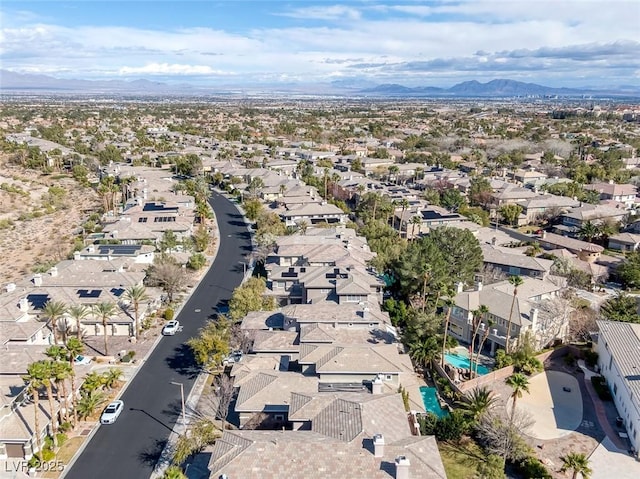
column 410, row 42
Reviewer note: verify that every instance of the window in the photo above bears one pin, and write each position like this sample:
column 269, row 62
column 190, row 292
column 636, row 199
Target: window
column 388, row 377
column 279, row 417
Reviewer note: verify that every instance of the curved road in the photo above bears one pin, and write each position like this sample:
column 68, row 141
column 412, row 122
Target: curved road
column 131, row 447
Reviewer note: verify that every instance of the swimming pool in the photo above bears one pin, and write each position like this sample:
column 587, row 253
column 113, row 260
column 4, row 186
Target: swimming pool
column 431, row 403
column 463, row 362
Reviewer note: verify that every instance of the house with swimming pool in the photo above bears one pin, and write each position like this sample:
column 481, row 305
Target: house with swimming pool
column 527, row 316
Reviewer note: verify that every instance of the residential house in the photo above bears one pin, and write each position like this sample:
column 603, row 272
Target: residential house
column 499, row 298
column 313, row 213
column 617, row 347
column 621, row 193
column 540, row 206
column 515, row 264
column 575, row 218
column 625, row 242
column 585, row 251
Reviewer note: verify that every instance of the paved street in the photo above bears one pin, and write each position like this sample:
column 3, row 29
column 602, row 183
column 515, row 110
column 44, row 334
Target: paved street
column 131, row 447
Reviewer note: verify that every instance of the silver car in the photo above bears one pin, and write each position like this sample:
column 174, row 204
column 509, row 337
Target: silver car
column 111, row 412
column 171, row 328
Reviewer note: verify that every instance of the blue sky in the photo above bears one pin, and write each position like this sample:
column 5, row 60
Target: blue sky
column 434, row 43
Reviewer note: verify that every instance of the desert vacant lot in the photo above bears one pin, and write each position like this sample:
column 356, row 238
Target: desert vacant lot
column 34, row 230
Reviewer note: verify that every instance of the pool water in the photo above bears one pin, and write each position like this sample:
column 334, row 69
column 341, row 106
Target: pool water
column 431, row 403
column 463, row 362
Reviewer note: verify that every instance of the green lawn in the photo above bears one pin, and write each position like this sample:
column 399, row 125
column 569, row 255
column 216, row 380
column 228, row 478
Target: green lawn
column 460, row 460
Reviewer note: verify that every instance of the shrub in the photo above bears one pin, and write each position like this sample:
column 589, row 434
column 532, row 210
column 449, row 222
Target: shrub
column 503, row 359
column 196, row 261
column 62, row 438
column 591, row 358
column 600, row 385
column 47, row 455
column 531, row 467
column 168, row 314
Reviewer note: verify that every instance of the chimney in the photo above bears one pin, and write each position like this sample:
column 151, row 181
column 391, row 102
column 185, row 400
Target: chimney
column 402, row 467
column 53, row 271
column 494, row 241
column 459, row 287
column 10, row 287
column 37, row 279
column 91, row 249
column 76, row 255
column 24, row 305
column 376, row 385
column 479, row 286
column 378, row 445
column 533, row 317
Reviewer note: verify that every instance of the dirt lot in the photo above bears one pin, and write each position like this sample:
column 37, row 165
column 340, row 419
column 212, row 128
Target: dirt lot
column 36, row 228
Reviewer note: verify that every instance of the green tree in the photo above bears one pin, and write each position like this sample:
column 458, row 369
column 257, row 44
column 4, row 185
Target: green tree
column 515, row 281
column 621, row 307
column 89, row 402
column 452, row 199
column 461, row 252
column 477, row 314
column 629, row 270
column 136, row 294
column 104, row 310
column 211, row 345
column 201, row 238
column 424, row 351
column 578, row 463
column 588, row 231
column 112, row 377
column 519, row 383
column 47, row 382
column 249, row 297
column 173, row 472
column 196, row 261
column 169, row 241
column 54, row 310
column 510, row 213
column 60, row 372
column 252, row 208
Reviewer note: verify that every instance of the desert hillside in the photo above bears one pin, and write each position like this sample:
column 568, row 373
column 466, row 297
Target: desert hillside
column 39, row 215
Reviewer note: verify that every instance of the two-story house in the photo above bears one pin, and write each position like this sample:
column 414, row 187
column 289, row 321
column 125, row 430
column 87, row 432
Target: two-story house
column 621, row 193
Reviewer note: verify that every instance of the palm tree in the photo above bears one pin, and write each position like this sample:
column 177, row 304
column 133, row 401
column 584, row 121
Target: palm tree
column 518, row 383
column 112, row 377
column 92, row 382
column 404, row 204
column 78, row 312
column 485, row 335
column 424, row 350
column 515, row 281
column 136, row 294
column 104, row 311
column 74, row 348
column 578, row 463
column 89, row 402
column 174, row 472
column 478, row 401
column 60, row 373
column 477, row 315
column 54, row 310
column 449, row 305
column 33, row 379
column 47, row 382
column 415, row 221
column 588, row 231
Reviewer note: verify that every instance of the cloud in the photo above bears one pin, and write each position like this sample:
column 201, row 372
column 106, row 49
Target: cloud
column 169, row 69
column 332, row 12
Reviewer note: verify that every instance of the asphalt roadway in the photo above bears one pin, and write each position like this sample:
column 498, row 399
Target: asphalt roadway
column 131, row 447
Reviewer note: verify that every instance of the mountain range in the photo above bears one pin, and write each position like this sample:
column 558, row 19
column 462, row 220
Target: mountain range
column 11, row 82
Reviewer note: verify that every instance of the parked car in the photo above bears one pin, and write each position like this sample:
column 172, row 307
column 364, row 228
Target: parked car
column 234, row 357
column 80, row 359
column 171, row 328
column 111, row 412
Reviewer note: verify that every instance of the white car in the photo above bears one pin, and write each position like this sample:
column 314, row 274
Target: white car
column 234, row 357
column 111, row 412
column 80, row 359
column 171, row 328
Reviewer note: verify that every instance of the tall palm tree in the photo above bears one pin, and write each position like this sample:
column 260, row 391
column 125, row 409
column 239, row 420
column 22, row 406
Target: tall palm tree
column 519, row 383
column 485, row 335
column 47, row 381
column 588, row 231
column 404, row 204
column 415, row 221
column 578, row 463
column 478, row 401
column 104, row 311
column 136, row 294
column 449, row 305
column 33, row 379
column 78, row 312
column 54, row 310
column 61, row 371
column 477, row 315
column 515, row 281
column 74, row 348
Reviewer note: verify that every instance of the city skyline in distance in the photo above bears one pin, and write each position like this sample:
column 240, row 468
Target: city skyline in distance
column 569, row 43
